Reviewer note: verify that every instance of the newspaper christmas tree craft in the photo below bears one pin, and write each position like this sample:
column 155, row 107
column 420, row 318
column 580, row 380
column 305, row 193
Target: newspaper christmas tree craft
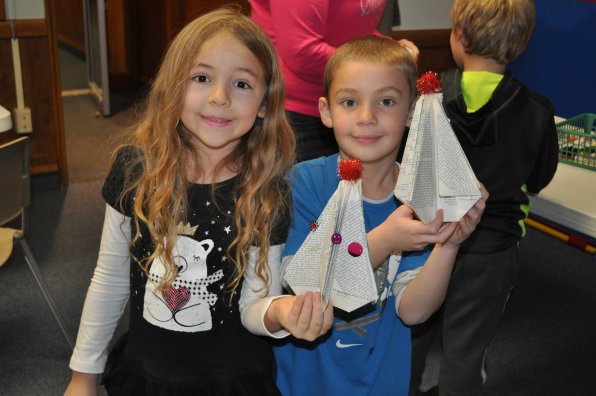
column 334, row 258
column 435, row 173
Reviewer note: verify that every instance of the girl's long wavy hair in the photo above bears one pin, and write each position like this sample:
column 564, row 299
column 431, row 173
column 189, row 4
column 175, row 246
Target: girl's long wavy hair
column 262, row 158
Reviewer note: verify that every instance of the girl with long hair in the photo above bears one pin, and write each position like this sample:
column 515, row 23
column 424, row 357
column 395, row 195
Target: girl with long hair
column 197, row 209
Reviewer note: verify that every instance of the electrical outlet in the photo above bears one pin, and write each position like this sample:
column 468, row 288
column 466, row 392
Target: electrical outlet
column 22, row 120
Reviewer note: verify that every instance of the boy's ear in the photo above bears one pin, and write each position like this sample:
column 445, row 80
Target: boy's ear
column 325, row 112
column 459, row 36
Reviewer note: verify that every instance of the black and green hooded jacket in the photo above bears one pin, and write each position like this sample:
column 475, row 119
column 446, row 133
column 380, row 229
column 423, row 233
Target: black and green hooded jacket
column 512, row 146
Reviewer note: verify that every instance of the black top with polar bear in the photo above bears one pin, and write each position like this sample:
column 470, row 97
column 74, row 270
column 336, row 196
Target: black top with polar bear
column 191, row 333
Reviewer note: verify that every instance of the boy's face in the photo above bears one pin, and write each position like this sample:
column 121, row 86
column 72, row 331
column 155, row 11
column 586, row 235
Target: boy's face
column 368, row 107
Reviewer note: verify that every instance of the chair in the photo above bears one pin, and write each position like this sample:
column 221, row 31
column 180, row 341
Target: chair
column 15, row 197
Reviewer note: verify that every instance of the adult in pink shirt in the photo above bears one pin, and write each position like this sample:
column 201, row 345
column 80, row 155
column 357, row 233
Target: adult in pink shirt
column 305, row 33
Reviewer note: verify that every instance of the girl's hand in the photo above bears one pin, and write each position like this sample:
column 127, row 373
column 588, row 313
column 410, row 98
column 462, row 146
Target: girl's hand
column 467, row 224
column 82, row 384
column 303, row 316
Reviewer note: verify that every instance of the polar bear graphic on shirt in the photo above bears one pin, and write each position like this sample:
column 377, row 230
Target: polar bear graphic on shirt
column 185, row 306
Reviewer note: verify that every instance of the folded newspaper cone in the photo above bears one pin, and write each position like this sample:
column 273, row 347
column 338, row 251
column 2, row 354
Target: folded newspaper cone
column 334, row 258
column 435, row 173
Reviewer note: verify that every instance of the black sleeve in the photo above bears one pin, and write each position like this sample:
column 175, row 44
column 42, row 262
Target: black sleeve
column 125, row 169
column 548, row 155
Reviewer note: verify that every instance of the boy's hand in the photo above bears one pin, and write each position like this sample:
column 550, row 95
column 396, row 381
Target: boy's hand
column 412, row 234
column 467, row 224
column 303, row 315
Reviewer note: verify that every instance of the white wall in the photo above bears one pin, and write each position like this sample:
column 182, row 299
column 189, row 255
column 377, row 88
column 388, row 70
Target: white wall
column 424, row 14
column 24, row 9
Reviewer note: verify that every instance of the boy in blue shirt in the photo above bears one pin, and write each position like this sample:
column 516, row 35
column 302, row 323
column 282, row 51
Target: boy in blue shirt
column 369, row 93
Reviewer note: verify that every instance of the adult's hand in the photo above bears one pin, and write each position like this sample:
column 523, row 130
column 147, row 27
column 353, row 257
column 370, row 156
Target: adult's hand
column 410, row 46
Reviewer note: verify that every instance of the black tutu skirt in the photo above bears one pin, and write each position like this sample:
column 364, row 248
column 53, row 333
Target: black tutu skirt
column 125, row 377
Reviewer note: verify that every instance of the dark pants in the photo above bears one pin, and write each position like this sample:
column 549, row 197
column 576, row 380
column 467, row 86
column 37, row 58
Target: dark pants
column 313, row 139
column 478, row 291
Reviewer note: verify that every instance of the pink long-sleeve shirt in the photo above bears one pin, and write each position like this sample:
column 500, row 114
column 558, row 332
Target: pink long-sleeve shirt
column 305, row 33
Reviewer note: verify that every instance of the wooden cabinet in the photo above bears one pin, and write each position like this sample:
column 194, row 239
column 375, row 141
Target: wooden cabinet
column 146, row 28
column 435, row 51
column 70, row 26
column 41, row 89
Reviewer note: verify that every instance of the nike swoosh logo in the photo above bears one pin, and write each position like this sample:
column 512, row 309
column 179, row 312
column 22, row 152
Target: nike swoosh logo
column 340, row 345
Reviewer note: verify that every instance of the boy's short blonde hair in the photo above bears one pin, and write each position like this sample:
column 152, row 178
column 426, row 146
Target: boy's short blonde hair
column 372, row 49
column 494, row 29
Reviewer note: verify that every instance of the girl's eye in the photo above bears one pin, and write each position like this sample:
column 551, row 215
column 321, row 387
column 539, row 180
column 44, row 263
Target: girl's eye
column 242, row 85
column 387, row 102
column 201, row 78
column 348, row 103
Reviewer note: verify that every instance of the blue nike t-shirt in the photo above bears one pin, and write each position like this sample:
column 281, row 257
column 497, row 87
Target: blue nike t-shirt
column 370, row 359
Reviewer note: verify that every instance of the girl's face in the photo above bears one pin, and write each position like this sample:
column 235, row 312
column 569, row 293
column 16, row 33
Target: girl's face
column 224, row 96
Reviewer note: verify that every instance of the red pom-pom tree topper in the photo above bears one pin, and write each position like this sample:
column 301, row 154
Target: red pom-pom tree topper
column 350, row 169
column 429, row 83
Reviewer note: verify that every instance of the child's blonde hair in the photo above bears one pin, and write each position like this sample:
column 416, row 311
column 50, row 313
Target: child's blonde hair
column 494, row 29
column 262, row 158
column 372, row 49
